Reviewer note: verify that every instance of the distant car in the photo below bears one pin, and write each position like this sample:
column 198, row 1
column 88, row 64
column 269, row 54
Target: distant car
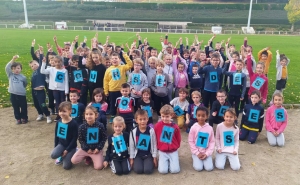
column 24, row 26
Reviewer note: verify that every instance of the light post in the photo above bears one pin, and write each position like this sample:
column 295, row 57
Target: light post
column 25, row 13
column 249, row 17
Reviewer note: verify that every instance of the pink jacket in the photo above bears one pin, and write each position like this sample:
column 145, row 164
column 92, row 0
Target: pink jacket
column 196, row 136
column 271, row 123
column 231, row 135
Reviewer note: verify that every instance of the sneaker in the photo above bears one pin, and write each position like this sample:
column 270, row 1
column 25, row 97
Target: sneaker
column 57, row 118
column 111, row 119
column 59, row 161
column 49, row 120
column 52, row 111
column 40, row 117
column 18, row 122
column 24, row 121
column 88, row 161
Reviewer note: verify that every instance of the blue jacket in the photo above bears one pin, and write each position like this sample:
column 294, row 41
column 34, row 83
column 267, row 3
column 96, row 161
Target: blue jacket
column 190, row 72
column 253, row 117
column 38, row 79
column 212, row 77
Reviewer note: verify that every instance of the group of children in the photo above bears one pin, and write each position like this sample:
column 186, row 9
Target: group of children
column 144, row 81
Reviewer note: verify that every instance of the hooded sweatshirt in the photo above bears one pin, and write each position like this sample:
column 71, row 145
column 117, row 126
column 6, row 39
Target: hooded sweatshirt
column 137, row 81
column 17, row 82
column 227, row 139
column 276, row 119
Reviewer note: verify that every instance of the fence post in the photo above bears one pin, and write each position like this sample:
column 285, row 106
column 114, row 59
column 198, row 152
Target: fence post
column 89, row 28
column 272, row 32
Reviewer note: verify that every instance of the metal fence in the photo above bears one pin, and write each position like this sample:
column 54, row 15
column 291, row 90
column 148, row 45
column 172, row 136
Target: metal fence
column 150, row 30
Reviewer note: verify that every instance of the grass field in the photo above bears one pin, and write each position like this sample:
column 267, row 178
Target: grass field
column 15, row 41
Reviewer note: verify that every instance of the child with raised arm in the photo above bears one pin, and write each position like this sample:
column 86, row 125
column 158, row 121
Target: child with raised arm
column 38, row 88
column 117, row 150
column 65, row 140
column 168, row 141
column 92, row 138
column 17, row 89
column 227, row 142
column 265, row 56
column 58, row 80
column 202, row 141
column 181, row 79
column 142, row 145
column 114, row 77
column 180, row 105
column 253, row 118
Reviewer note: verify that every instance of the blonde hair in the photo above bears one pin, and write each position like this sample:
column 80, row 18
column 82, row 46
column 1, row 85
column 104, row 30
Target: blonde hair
column 159, row 62
column 118, row 119
column 167, row 110
column 138, row 61
column 196, row 93
column 90, row 63
column 152, row 59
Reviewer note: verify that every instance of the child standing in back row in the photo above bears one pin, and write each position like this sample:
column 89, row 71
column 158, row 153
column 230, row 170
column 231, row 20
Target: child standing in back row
column 17, row 89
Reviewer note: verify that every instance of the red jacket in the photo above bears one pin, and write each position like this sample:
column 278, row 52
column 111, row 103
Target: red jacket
column 167, row 136
column 253, row 76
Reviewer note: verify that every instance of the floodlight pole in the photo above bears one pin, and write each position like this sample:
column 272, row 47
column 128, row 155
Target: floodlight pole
column 249, row 17
column 25, row 13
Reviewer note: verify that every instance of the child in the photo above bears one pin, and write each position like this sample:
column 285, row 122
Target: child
column 168, row 69
column 147, row 104
column 117, row 149
column 92, row 138
column 77, row 77
column 168, row 141
column 276, row 121
column 265, row 56
column 196, row 81
column 212, row 79
column 17, row 90
column 137, row 80
column 37, row 88
column 77, row 107
column 202, row 142
column 58, row 81
column 237, row 84
column 66, row 133
column 253, row 118
column 191, row 116
column 181, row 79
column 258, row 80
column 160, row 85
column 114, row 77
column 218, row 108
column 142, row 145
column 180, row 105
column 98, row 101
column 150, row 66
column 125, row 106
column 227, row 142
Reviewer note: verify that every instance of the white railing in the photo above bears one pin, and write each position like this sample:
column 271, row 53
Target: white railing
column 152, row 30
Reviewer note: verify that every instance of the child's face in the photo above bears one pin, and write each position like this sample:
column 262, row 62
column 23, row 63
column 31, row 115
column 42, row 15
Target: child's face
column 235, row 57
column 166, row 118
column 159, row 69
column 202, row 56
column 218, row 46
column 146, row 96
column 142, row 121
column 264, row 57
column 57, row 63
column 239, row 66
column 90, row 116
column 254, row 99
column 259, row 68
column 16, row 70
column 180, row 68
column 193, row 53
column 248, row 50
column 283, row 62
column 107, row 63
column 152, row 64
column 34, row 66
column 118, row 127
column 64, row 113
column 221, row 97
column 186, row 55
column 67, row 47
column 98, row 97
column 169, row 50
column 215, row 62
column 96, row 58
column 75, row 63
column 168, row 60
column 153, row 53
column 115, row 60
column 125, row 91
column 229, row 119
column 134, row 56
column 222, row 50
column 201, row 117
column 182, row 95
column 196, row 98
column 86, row 52
column 74, row 97
column 231, row 48
column 277, row 100
column 137, row 67
column 195, row 70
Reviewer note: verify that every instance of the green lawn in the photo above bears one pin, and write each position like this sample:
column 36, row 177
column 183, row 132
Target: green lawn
column 16, row 41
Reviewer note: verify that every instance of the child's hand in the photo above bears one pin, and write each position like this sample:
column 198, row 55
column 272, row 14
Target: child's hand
column 245, row 38
column 200, row 155
column 64, row 153
column 139, row 93
column 131, row 163
column 85, row 39
column 155, row 162
column 76, row 38
column 234, row 153
column 227, row 61
column 96, row 151
column 89, row 151
column 15, row 57
column 241, row 99
column 277, row 51
column 219, row 151
column 44, row 60
column 226, row 44
column 214, row 113
column 161, row 39
column 203, row 157
column 41, row 49
column 105, row 164
column 55, row 38
column 133, row 91
column 33, row 43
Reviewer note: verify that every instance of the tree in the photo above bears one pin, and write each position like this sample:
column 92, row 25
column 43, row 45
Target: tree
column 293, row 12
